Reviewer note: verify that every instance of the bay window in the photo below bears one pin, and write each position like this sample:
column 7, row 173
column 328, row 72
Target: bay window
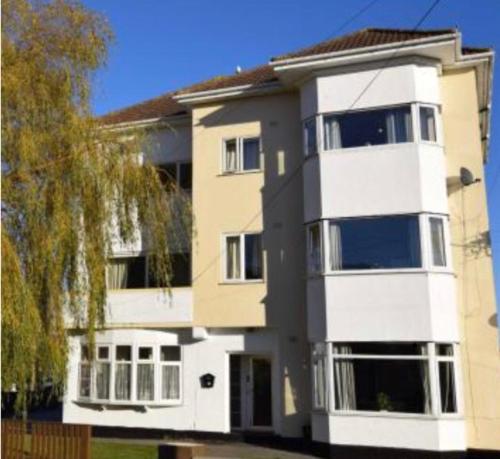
column 241, row 154
column 368, row 127
column 139, row 374
column 387, row 377
column 374, row 243
column 243, row 260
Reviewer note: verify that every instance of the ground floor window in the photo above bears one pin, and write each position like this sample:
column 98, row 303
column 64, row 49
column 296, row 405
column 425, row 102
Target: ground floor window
column 386, row 377
column 130, row 370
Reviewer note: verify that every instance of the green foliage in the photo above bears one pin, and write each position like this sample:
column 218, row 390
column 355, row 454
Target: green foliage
column 67, row 186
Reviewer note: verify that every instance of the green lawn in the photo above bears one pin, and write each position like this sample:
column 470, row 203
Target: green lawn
column 113, row 450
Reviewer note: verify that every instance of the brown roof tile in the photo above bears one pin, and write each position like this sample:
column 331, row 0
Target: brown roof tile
column 165, row 105
column 362, row 39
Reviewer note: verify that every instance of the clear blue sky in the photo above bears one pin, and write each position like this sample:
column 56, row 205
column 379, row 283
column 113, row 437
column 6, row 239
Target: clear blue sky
column 163, row 45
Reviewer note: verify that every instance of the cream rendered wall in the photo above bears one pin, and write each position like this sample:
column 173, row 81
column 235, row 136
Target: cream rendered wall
column 472, row 260
column 235, row 203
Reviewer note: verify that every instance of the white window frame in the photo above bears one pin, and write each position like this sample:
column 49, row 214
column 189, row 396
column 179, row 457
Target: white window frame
column 368, row 109
column 242, row 278
column 433, row 370
column 239, row 155
column 156, row 361
column 171, row 363
column 437, row 124
column 139, row 361
column 94, row 374
column 325, row 240
column 318, row 354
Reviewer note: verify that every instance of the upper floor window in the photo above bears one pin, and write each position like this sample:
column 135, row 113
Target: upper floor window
column 427, row 123
column 176, row 174
column 135, row 272
column 243, row 257
column 314, row 248
column 368, row 127
column 437, row 241
column 375, row 243
column 241, row 155
column 310, row 137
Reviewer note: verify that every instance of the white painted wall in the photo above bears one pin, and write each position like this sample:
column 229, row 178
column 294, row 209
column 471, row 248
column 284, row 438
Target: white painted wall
column 398, row 84
column 389, row 306
column 392, row 431
column 376, row 180
column 201, row 409
column 149, row 306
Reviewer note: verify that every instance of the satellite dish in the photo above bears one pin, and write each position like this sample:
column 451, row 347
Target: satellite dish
column 467, row 177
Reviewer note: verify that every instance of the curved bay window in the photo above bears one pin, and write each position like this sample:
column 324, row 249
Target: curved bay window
column 411, row 378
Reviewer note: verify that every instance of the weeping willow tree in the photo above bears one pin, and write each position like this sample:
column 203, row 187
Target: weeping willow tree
column 69, row 188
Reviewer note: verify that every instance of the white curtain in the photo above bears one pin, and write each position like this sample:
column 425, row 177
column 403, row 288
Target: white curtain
column 447, row 382
column 84, row 379
column 345, row 388
column 122, row 381
column 117, row 274
column 231, row 155
column 332, row 133
column 425, row 378
column 145, row 381
column 102, row 380
column 170, row 387
column 233, row 257
column 335, row 247
column 398, row 125
column 437, row 239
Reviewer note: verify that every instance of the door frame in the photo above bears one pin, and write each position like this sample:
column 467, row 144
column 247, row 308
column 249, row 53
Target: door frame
column 246, row 400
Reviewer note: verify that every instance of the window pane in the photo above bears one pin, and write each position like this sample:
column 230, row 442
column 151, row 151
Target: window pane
column 124, row 353
column 314, row 255
column 251, row 154
column 230, row 155
column 103, row 352
column 145, row 353
column 437, row 241
column 319, row 383
column 180, row 275
column 170, row 382
column 185, row 176
column 168, row 174
column 427, row 124
column 375, row 243
column 374, row 348
column 371, row 127
column 84, row 353
column 122, row 381
column 126, row 273
column 382, row 385
column 145, row 381
column 310, row 137
column 233, row 262
column 445, row 350
column 84, row 380
column 253, row 256
column 102, row 380
column 447, row 387
column 170, row 354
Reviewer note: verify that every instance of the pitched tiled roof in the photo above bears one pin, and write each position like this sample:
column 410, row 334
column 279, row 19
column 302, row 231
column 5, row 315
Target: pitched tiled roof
column 165, row 105
column 362, row 39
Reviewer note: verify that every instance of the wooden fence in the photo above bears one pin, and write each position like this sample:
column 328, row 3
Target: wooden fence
column 45, row 440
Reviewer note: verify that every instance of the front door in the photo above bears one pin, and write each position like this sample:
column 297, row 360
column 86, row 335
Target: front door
column 250, row 392
column 261, row 394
